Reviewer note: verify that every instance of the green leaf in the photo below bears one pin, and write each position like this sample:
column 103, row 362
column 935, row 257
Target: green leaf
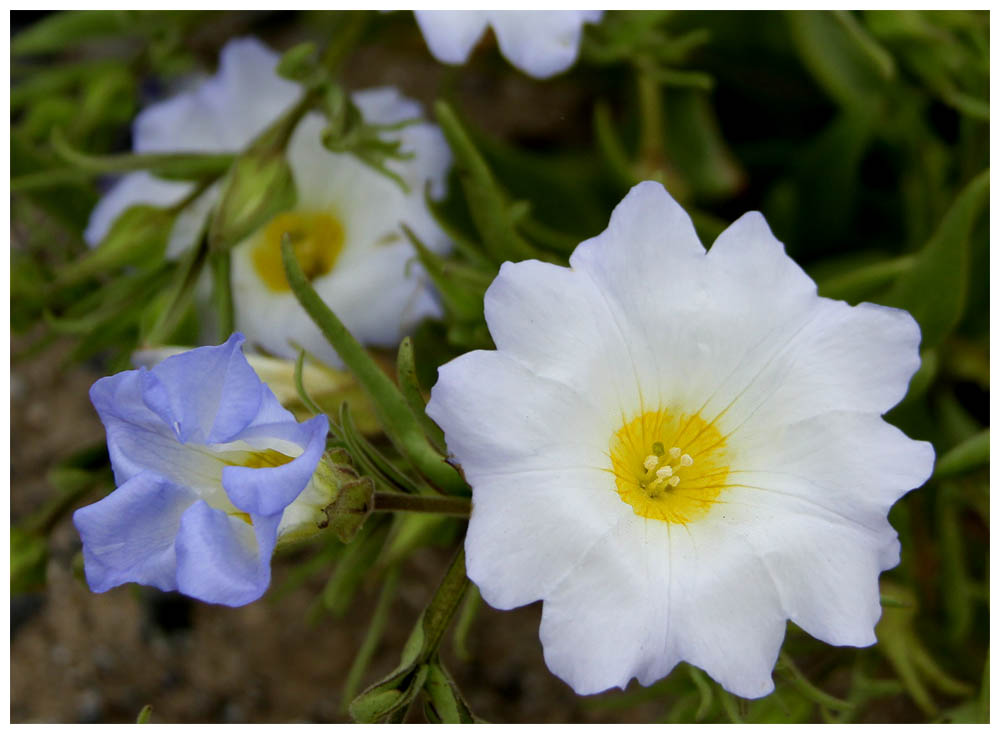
column 406, row 378
column 445, row 704
column 462, row 288
column 369, row 644
column 488, row 205
column 840, row 57
column 138, row 236
column 145, row 715
column 401, row 425
column 934, row 289
column 29, row 554
column 66, row 29
column 396, row 692
column 184, row 166
column 971, row 454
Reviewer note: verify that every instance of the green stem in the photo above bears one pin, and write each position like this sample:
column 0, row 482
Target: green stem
column 443, row 606
column 650, row 120
column 391, row 408
column 222, row 293
column 807, row 689
column 398, row 502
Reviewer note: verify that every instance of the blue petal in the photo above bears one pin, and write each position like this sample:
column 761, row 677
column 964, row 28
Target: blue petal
column 206, row 395
column 118, row 400
column 129, row 535
column 223, row 560
column 269, row 490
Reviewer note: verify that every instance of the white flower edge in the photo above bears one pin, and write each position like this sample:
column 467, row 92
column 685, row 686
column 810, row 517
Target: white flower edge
column 644, row 314
column 541, row 43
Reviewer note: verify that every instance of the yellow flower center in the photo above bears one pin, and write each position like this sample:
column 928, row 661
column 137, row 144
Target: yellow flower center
column 669, row 466
column 317, row 239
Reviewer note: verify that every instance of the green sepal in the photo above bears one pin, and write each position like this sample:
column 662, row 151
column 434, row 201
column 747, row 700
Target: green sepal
column 934, row 289
column 257, row 187
column 348, row 512
column 400, row 424
column 181, row 166
column 138, row 236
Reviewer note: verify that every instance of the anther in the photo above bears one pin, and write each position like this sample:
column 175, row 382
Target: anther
column 664, row 472
column 650, row 462
column 675, row 452
column 686, row 460
column 674, row 481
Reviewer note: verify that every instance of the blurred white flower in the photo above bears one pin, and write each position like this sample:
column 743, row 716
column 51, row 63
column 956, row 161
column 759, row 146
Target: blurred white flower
column 678, row 451
column 346, row 223
column 540, row 43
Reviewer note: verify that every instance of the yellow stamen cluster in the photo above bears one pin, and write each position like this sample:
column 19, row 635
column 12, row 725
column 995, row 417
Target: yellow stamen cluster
column 676, row 484
column 317, row 239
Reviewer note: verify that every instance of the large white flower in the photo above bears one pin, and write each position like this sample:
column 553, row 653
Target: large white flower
column 678, row 450
column 541, row 43
column 346, row 223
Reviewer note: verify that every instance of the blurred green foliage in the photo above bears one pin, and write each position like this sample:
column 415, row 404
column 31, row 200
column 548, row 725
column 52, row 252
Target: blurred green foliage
column 862, row 136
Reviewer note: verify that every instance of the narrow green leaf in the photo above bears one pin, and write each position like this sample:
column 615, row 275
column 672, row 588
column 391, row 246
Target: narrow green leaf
column 488, row 205
column 184, row 166
column 401, row 425
column 971, row 454
column 145, row 715
column 934, row 289
column 804, row 686
column 373, row 635
column 406, row 377
column 461, row 289
column 444, row 700
column 66, row 29
column 839, row 61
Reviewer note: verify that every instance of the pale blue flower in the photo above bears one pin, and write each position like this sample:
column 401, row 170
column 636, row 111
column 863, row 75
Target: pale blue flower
column 206, row 462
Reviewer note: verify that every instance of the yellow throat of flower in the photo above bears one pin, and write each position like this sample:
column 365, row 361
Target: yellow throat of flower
column 317, row 239
column 669, row 466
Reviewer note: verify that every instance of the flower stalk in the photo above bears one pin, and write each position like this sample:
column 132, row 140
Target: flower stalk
column 399, row 502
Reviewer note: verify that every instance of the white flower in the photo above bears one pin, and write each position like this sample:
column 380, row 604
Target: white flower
column 346, row 223
column 678, row 451
column 540, row 43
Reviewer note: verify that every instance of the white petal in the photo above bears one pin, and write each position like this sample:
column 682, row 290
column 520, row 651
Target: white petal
column 451, row 34
column 725, row 609
column 225, row 112
column 557, row 324
column 531, row 528
column 608, row 619
column 541, row 43
column 548, row 425
column 386, row 105
column 135, row 188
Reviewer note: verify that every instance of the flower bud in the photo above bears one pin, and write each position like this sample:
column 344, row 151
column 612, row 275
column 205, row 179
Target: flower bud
column 138, row 235
column 258, row 186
